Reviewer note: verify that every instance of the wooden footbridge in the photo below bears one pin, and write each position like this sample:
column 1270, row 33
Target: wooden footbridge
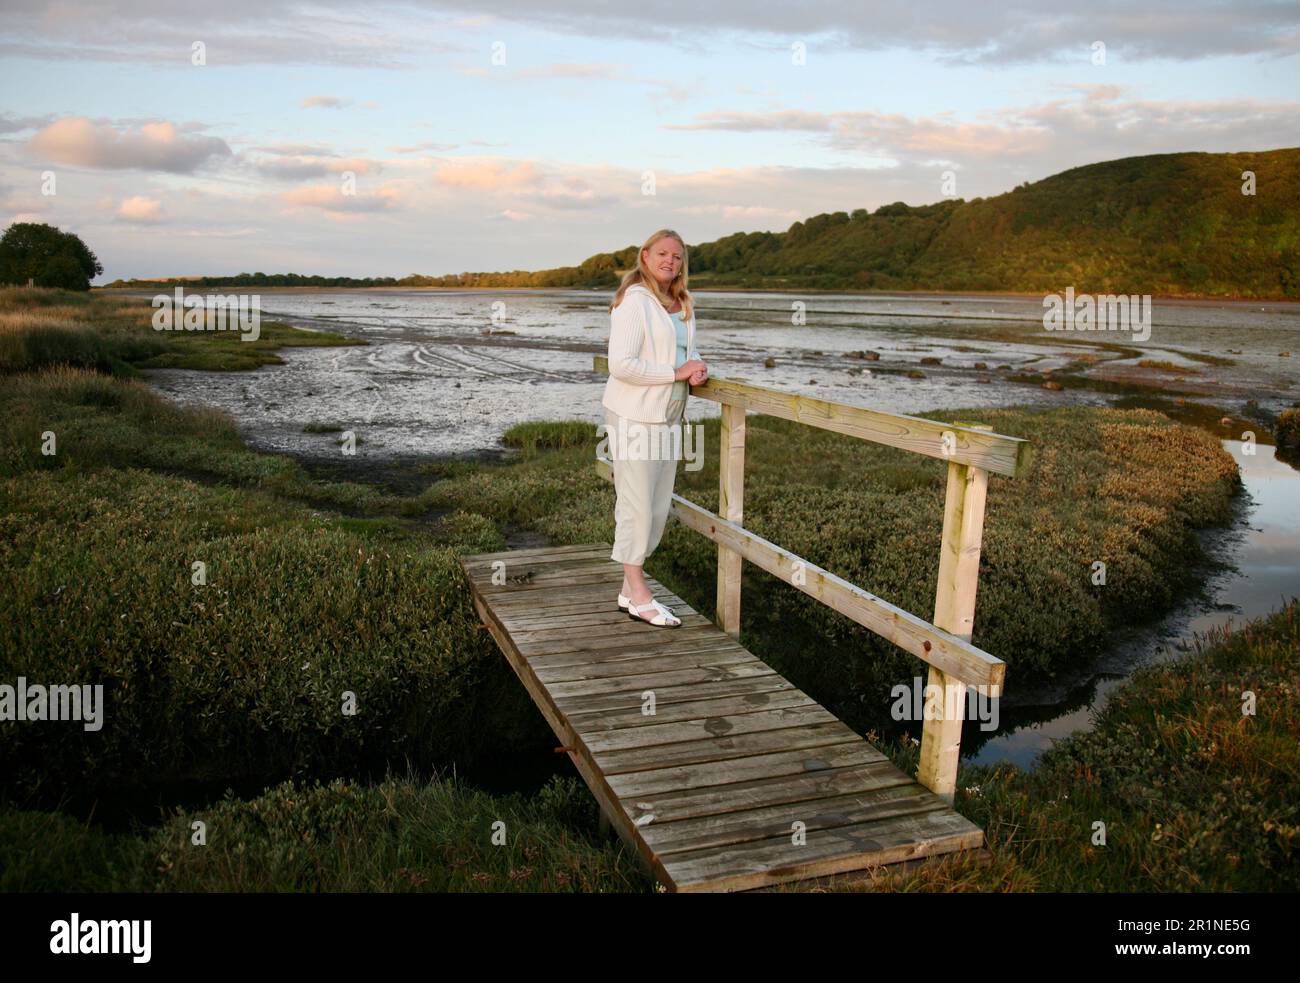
column 716, row 771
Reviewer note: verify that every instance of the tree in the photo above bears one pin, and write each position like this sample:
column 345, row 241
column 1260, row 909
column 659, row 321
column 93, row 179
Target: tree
column 39, row 252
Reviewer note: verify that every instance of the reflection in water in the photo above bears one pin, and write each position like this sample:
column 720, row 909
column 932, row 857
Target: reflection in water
column 1264, row 553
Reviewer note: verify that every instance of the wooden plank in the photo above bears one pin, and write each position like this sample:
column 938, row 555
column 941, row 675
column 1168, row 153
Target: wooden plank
column 849, row 751
column 947, row 441
column 481, row 565
column 619, row 669
column 575, row 706
column 827, row 851
column 954, row 610
column 657, row 680
column 636, row 635
column 536, row 552
column 723, row 706
column 679, row 731
column 648, row 650
column 623, row 628
column 903, row 798
column 721, row 748
column 731, row 506
column 768, row 790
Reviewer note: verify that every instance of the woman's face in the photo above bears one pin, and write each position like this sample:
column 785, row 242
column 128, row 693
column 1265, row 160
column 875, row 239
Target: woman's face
column 664, row 259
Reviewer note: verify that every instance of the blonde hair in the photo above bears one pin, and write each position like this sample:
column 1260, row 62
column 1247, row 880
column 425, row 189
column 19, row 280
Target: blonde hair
column 641, row 274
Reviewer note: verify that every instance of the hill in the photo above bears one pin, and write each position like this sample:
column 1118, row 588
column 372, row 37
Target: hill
column 1167, row 224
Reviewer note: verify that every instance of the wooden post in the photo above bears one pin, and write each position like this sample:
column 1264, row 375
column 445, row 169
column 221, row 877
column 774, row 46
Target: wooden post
column 731, row 506
column 954, row 612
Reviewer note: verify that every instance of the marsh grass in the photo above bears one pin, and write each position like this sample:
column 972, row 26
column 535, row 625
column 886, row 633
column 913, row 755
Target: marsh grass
column 397, row 835
column 41, row 327
column 316, row 588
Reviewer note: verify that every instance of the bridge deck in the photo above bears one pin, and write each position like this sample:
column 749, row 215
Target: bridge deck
column 708, row 788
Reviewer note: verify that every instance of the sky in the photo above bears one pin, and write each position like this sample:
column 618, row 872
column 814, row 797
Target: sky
column 385, row 139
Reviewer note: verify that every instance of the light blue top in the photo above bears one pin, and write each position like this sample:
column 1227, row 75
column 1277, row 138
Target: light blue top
column 680, row 390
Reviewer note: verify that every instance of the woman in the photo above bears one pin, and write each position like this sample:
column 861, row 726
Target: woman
column 652, row 356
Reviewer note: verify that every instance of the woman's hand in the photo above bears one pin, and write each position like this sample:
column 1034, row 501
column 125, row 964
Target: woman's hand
column 693, row 370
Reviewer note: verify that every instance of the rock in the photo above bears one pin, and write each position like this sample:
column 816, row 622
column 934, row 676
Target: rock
column 868, row 355
column 931, row 360
column 916, row 374
column 981, row 365
column 1226, row 421
column 1054, row 386
column 769, row 362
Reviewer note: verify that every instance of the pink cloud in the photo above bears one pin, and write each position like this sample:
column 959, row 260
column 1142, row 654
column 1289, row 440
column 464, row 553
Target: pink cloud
column 151, row 147
column 141, row 210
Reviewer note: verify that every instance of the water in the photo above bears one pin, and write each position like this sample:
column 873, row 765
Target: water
column 448, row 372
column 1262, row 549
column 433, row 380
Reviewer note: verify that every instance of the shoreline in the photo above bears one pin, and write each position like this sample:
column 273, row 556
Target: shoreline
column 609, row 291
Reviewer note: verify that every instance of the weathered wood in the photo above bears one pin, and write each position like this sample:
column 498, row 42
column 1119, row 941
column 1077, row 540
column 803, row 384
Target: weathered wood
column 731, row 506
column 947, row 441
column 723, row 706
column 806, row 790
column 704, row 790
column 737, row 867
column 686, row 835
column 775, row 766
column 954, row 610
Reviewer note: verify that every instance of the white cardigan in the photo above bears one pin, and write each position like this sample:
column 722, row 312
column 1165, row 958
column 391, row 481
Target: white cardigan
column 642, row 350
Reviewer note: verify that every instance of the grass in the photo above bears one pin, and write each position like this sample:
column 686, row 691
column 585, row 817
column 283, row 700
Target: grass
column 1164, row 365
column 1194, row 795
column 317, row 588
column 42, row 327
column 396, row 835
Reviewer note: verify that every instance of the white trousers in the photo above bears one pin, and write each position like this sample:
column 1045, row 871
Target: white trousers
column 645, row 468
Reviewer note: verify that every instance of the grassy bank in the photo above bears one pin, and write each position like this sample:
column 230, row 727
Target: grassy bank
column 40, row 326
column 1193, row 795
column 312, row 590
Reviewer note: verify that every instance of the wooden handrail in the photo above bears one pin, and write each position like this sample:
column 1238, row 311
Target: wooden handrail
column 972, row 452
column 963, row 444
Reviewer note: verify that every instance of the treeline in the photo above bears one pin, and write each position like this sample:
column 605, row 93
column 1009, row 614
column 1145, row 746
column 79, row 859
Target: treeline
column 1187, row 223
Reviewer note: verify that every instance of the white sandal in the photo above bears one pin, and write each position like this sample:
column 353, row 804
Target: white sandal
column 626, row 602
column 662, row 614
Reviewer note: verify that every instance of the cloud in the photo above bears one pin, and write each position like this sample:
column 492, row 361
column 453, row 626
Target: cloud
column 488, row 174
column 389, row 35
column 331, row 199
column 392, row 34
column 1092, row 123
column 151, row 147
column 303, row 168
column 17, row 124
column 419, row 148
column 323, row 102
column 140, row 210
column 592, row 70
